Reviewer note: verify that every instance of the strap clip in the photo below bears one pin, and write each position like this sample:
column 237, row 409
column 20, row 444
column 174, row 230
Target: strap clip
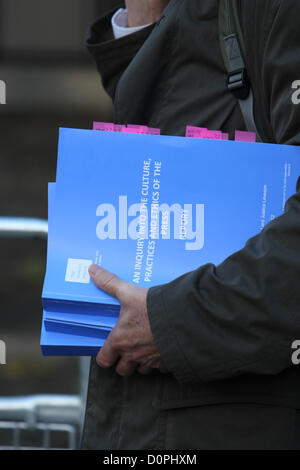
column 238, row 83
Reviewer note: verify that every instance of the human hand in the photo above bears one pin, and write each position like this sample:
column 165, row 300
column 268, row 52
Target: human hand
column 130, row 342
column 142, row 12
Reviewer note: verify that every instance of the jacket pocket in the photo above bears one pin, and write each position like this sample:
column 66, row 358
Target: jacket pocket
column 281, row 390
column 236, row 414
column 174, row 395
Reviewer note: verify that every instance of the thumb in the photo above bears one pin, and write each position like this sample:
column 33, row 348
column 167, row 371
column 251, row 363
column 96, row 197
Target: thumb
column 105, row 280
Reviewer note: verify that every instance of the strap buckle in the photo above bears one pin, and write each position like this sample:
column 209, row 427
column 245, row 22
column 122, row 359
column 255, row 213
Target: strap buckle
column 238, row 83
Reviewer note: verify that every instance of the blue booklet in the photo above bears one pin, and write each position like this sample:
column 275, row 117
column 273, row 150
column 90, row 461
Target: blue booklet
column 65, row 333
column 67, row 341
column 150, row 208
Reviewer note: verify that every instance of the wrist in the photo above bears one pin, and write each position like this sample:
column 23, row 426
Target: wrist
column 120, row 27
column 136, row 20
column 141, row 12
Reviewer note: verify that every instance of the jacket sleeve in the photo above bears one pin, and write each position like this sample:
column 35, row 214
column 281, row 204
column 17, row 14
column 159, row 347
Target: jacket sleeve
column 243, row 315
column 113, row 56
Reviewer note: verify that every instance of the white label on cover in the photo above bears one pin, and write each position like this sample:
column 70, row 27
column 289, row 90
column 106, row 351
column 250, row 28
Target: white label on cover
column 77, row 270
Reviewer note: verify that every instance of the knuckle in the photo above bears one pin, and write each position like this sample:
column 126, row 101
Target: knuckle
column 117, row 339
column 126, row 367
column 130, row 357
column 133, row 356
column 120, row 340
column 105, row 279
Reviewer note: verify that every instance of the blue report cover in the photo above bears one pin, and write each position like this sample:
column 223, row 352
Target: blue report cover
column 151, row 208
column 56, row 341
column 65, row 331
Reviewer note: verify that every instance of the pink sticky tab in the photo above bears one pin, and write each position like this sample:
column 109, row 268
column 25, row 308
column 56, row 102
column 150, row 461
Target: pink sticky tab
column 129, row 130
column 244, row 136
column 118, row 128
column 196, row 132
column 144, row 129
column 225, row 136
column 153, row 131
column 104, row 126
column 214, row 135
column 140, row 129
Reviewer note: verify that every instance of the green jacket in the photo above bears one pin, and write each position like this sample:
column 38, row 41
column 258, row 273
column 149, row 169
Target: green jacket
column 224, row 332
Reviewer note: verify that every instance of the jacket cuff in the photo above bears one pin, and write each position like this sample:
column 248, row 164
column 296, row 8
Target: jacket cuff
column 113, row 56
column 165, row 338
column 101, row 41
column 120, row 26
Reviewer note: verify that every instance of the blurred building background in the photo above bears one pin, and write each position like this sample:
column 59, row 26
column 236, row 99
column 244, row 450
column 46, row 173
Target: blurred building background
column 51, row 81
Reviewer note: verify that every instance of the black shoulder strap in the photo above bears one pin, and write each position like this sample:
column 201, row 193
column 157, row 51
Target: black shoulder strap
column 232, row 48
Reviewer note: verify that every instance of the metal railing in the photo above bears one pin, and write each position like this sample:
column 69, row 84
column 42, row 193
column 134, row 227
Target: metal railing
column 47, row 414
column 23, row 227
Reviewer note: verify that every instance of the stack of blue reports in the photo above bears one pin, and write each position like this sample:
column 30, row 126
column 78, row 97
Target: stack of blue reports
column 148, row 208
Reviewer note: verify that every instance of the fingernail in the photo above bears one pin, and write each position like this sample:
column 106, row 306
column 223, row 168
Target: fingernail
column 93, row 269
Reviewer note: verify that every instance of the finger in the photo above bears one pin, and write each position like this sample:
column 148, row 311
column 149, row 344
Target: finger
column 108, row 354
column 125, row 368
column 105, row 280
column 144, row 370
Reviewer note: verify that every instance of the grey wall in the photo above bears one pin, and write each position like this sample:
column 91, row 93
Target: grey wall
column 51, row 82
column 47, row 25
column 43, row 59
